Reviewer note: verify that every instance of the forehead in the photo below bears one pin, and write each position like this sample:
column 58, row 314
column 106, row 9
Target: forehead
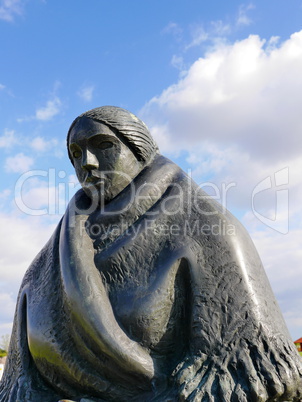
column 84, row 128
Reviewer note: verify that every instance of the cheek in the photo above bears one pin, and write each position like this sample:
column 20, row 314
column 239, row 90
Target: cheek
column 120, row 177
column 108, row 160
column 79, row 172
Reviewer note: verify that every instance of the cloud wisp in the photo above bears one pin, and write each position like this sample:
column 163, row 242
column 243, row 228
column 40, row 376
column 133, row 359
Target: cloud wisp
column 207, row 36
column 86, row 93
column 19, row 163
column 8, row 139
column 9, row 9
column 243, row 18
column 45, row 113
column 52, row 108
column 39, row 144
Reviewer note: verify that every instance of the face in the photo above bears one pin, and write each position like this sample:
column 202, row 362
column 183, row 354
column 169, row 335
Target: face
column 104, row 165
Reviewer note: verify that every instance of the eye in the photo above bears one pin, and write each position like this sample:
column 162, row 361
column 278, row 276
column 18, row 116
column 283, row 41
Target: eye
column 76, row 154
column 101, row 142
column 104, row 144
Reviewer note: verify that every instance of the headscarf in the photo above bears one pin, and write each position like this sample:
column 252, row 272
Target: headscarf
column 130, row 128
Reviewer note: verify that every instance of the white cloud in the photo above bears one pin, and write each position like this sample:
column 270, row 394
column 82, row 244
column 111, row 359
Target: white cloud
column 228, row 164
column 199, row 35
column 6, row 328
column 220, row 28
column 282, row 256
column 86, row 93
column 8, row 304
column 8, row 139
column 174, row 29
column 177, row 62
column 18, row 230
column 243, row 18
column 40, row 200
column 241, row 93
column 5, row 199
column 283, row 271
column 41, row 145
column 21, row 238
column 51, row 109
column 292, row 315
column 19, row 163
column 10, row 8
column 5, row 194
column 23, row 232
column 44, row 193
column 2, row 87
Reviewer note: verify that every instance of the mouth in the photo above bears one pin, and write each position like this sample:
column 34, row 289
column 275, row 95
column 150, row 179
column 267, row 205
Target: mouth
column 94, row 181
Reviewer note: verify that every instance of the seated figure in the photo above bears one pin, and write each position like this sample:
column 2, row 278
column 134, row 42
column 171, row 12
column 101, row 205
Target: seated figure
column 138, row 296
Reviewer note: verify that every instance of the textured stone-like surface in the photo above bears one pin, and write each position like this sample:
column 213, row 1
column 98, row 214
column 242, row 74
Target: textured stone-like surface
column 166, row 301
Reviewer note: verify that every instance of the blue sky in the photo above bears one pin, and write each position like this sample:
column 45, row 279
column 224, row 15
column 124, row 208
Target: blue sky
column 218, row 83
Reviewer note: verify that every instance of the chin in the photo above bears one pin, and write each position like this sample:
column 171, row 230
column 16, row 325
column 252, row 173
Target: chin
column 98, row 193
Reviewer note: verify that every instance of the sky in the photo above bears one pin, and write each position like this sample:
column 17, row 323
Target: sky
column 218, row 83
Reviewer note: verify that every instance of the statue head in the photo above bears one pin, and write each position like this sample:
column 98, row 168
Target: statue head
column 108, row 147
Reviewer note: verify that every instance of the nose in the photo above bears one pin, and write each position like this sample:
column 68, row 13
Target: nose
column 89, row 161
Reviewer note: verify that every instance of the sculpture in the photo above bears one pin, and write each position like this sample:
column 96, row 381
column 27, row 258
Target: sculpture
column 137, row 297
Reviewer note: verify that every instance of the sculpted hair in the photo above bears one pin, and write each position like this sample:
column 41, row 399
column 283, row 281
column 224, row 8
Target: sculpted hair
column 128, row 127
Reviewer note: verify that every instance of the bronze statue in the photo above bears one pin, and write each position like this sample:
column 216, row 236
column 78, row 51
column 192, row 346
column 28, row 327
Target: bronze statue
column 137, row 296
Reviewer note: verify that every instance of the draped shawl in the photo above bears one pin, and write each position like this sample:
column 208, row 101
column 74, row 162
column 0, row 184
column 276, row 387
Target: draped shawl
column 159, row 295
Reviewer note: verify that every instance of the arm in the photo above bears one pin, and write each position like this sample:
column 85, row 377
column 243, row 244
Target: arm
column 90, row 304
